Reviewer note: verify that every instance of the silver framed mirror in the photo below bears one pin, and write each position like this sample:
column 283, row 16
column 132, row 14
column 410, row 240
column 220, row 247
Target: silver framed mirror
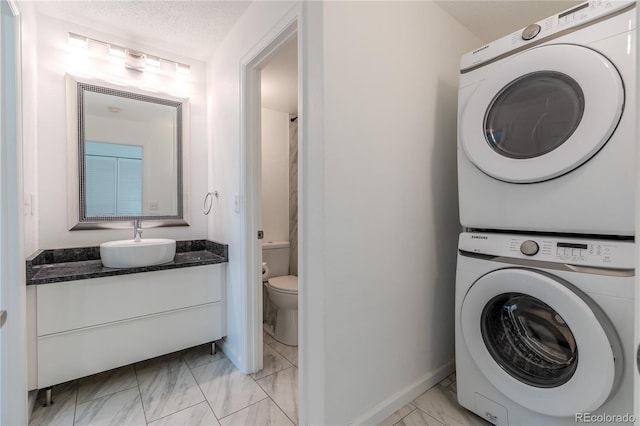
column 127, row 156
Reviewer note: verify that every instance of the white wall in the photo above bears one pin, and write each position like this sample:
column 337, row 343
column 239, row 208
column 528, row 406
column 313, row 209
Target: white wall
column 379, row 218
column 275, row 175
column 391, row 212
column 30, row 124
column 54, row 59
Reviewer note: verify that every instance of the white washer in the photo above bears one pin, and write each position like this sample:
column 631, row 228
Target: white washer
column 546, row 125
column 544, row 328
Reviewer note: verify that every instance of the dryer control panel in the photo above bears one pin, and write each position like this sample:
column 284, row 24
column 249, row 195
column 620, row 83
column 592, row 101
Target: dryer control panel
column 569, row 20
column 577, row 251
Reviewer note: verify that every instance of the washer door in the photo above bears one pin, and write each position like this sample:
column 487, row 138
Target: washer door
column 538, row 342
column 542, row 114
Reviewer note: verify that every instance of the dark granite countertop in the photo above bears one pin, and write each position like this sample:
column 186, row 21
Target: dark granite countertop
column 58, row 265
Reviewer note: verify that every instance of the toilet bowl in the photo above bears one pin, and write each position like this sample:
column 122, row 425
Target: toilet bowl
column 283, row 294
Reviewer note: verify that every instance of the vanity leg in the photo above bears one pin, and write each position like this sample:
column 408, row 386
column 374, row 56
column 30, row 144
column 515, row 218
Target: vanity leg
column 213, row 348
column 47, row 397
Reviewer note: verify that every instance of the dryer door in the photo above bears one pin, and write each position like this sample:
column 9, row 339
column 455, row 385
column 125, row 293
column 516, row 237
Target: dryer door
column 538, row 341
column 544, row 113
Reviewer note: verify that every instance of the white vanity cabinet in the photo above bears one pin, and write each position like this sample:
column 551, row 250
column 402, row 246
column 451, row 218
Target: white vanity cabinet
column 92, row 325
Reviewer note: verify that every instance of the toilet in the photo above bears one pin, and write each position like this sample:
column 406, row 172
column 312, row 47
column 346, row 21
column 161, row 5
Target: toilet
column 282, row 290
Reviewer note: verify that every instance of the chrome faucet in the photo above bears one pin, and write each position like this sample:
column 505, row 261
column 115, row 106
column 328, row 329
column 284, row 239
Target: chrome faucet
column 137, row 230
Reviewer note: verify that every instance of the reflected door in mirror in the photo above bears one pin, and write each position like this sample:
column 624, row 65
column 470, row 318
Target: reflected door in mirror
column 113, row 179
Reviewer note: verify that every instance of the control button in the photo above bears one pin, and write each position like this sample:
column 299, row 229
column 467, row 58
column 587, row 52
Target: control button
column 583, row 252
column 529, row 248
column 530, row 32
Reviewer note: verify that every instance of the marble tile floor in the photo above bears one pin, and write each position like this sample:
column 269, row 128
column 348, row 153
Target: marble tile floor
column 193, row 387
column 189, row 387
column 437, row 406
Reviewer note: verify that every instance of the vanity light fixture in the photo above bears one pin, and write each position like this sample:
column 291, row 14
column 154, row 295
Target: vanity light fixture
column 78, row 40
column 135, row 60
column 183, row 69
column 153, row 61
column 117, row 51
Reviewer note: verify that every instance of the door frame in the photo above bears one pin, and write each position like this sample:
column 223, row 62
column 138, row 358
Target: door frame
column 251, row 172
column 13, row 382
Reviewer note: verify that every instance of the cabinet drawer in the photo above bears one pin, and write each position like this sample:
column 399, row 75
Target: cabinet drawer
column 77, row 304
column 79, row 353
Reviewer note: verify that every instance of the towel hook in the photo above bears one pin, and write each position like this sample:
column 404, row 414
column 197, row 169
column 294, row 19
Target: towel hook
column 208, row 202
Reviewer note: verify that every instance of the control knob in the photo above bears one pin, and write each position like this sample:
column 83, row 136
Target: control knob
column 529, row 248
column 530, row 32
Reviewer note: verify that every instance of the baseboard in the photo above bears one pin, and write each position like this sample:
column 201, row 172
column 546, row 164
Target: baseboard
column 399, row 399
column 226, row 348
column 31, row 401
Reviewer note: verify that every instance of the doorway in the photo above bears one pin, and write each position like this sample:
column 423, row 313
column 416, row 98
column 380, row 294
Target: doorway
column 279, row 192
column 252, row 66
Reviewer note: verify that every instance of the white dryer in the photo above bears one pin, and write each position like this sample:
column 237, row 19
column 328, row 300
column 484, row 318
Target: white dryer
column 544, row 329
column 546, row 125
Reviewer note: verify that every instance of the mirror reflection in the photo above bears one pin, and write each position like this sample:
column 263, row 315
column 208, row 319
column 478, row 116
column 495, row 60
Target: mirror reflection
column 130, row 154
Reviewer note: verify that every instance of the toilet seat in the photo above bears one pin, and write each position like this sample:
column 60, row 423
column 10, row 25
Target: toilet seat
column 286, row 284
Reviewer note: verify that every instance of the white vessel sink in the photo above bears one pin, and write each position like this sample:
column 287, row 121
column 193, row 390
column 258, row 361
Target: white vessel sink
column 135, row 254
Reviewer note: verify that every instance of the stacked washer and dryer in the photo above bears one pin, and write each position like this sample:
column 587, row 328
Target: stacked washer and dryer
column 546, row 168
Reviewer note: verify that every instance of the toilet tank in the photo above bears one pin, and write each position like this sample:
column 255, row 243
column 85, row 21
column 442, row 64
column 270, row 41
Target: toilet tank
column 276, row 254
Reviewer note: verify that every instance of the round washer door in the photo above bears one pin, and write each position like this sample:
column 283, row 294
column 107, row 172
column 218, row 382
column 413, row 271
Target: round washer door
column 538, row 342
column 542, row 113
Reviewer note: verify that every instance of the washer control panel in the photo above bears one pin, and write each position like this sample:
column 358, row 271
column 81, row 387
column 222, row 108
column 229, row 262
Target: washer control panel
column 530, row 32
column 617, row 254
column 529, row 248
column 578, row 252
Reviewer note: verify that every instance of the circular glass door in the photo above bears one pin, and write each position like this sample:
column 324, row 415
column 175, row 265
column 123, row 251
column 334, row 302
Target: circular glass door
column 535, row 339
column 541, row 114
column 534, row 115
column 529, row 340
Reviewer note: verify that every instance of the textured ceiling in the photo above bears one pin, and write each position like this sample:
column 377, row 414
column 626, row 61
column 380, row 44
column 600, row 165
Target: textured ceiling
column 187, row 28
column 491, row 20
